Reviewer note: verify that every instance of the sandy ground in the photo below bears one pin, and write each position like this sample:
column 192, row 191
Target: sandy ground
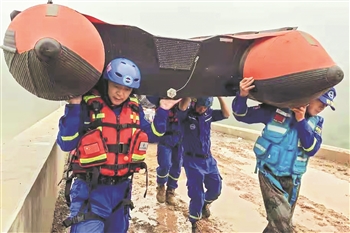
column 323, row 205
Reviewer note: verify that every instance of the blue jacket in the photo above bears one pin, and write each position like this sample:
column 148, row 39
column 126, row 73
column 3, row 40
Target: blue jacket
column 310, row 139
column 196, row 129
column 76, row 115
column 173, row 134
column 285, row 145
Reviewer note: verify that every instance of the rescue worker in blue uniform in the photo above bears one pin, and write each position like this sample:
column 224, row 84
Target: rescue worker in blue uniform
column 169, row 157
column 199, row 164
column 98, row 207
column 290, row 137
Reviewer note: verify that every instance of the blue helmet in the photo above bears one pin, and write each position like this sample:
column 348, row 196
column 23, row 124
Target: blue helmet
column 124, row 72
column 204, row 101
column 153, row 100
column 328, row 98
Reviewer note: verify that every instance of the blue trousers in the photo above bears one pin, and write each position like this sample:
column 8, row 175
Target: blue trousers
column 102, row 199
column 169, row 165
column 201, row 171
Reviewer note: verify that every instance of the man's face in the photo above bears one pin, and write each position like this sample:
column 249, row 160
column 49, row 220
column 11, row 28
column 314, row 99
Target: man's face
column 118, row 93
column 201, row 109
column 315, row 107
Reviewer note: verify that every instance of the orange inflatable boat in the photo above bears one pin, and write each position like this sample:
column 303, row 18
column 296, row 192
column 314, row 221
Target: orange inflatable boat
column 56, row 52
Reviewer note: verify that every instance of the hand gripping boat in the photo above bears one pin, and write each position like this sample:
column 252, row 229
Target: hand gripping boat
column 56, row 53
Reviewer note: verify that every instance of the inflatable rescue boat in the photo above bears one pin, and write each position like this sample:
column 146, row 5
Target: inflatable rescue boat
column 56, row 53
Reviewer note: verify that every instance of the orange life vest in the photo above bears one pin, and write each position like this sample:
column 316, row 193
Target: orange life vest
column 172, row 115
column 115, row 144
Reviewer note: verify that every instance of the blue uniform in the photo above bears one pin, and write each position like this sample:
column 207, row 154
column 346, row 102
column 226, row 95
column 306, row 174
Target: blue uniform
column 199, row 164
column 169, row 153
column 282, row 154
column 309, row 135
column 103, row 198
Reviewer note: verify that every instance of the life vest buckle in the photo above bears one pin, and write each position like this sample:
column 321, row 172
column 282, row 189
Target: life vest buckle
column 96, row 106
column 134, row 108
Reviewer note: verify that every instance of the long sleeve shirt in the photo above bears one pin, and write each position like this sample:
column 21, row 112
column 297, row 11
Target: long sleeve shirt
column 310, row 139
column 197, row 128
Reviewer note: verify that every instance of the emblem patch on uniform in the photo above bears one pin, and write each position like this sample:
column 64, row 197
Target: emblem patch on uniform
column 143, row 146
column 192, row 126
column 318, row 130
column 279, row 118
column 283, row 113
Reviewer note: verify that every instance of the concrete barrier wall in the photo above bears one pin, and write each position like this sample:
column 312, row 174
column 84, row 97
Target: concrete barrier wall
column 32, row 165
column 335, row 154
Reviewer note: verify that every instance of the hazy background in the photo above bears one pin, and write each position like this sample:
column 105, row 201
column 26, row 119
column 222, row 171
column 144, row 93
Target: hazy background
column 328, row 22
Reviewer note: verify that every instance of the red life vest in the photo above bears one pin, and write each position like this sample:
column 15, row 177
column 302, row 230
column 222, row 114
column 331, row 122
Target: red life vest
column 172, row 115
column 115, row 144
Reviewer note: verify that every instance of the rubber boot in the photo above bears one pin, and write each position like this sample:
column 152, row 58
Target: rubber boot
column 170, row 196
column 206, row 210
column 195, row 227
column 161, row 193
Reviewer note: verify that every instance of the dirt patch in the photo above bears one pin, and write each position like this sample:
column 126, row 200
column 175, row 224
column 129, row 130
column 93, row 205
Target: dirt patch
column 61, row 212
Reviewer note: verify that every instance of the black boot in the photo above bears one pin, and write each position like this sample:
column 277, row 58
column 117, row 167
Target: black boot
column 206, row 210
column 195, row 227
